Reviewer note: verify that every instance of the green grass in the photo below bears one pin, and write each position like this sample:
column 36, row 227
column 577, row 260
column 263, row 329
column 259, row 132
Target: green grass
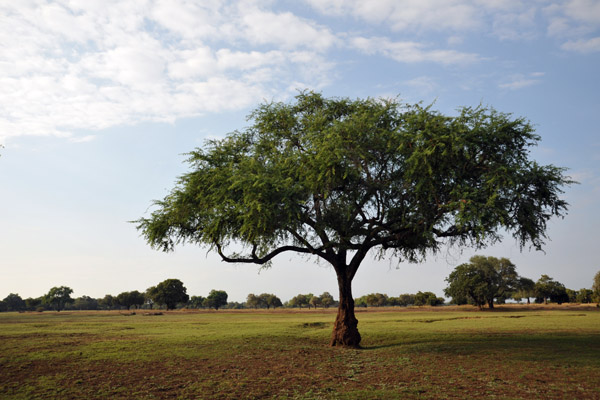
column 513, row 354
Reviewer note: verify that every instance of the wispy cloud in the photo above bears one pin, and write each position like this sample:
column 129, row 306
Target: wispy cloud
column 411, row 52
column 521, row 81
column 577, row 22
column 583, row 46
column 82, row 139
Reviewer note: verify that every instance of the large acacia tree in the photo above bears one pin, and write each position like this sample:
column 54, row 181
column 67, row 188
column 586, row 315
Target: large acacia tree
column 337, row 178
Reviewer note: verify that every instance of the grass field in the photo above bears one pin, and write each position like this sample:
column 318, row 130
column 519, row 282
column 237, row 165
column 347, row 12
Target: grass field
column 447, row 353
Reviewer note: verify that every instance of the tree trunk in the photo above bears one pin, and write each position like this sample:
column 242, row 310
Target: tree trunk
column 491, row 303
column 345, row 330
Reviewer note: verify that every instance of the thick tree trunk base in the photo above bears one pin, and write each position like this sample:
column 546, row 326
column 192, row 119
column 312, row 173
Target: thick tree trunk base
column 345, row 329
column 345, row 333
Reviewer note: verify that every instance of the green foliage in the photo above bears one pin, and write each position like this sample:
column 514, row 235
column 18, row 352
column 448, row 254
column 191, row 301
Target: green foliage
column 130, row 299
column 525, row 289
column 196, row 302
column 427, row 299
column 32, row 304
column 406, row 299
column 264, row 300
column 584, row 296
column 482, row 280
column 547, row 288
column 327, row 300
column 107, row 302
column 85, row 303
column 376, row 300
column 58, row 297
column 216, row 299
column 315, row 301
column 247, row 355
column 324, row 176
column 14, row 302
column 169, row 293
column 571, row 295
column 596, row 287
column 300, row 300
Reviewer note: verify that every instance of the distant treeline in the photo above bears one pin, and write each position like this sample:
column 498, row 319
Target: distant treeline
column 483, row 281
column 171, row 294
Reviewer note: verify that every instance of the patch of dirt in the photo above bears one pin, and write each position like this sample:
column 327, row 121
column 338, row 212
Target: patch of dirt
column 260, row 370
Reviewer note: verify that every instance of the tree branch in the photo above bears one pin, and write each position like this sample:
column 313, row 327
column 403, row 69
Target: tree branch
column 254, row 259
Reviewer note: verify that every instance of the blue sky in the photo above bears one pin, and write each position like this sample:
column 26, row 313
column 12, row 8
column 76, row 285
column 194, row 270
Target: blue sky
column 99, row 101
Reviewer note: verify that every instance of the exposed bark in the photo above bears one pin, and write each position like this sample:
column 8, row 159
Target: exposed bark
column 345, row 330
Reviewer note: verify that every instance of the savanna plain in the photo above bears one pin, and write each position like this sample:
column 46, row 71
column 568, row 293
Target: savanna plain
column 514, row 352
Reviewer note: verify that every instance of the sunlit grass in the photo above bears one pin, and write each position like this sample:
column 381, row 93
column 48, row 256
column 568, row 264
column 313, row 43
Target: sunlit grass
column 406, row 354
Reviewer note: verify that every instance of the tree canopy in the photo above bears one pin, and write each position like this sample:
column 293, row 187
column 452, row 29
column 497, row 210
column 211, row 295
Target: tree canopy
column 547, row 288
column 168, row 292
column 482, row 280
column 596, row 287
column 336, row 178
column 58, row 297
column 216, row 299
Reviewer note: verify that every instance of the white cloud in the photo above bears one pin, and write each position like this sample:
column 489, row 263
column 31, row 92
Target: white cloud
column 411, row 52
column 404, row 15
column 520, row 81
column 285, row 29
column 508, row 19
column 583, row 10
column 68, row 65
column 583, row 46
column 83, row 139
column 577, row 21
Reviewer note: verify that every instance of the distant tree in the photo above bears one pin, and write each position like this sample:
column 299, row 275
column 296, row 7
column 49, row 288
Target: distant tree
column 482, row 280
column 268, row 300
column 547, row 288
column 122, row 300
column 584, row 296
column 361, row 301
column 315, row 301
column 252, row 301
column 406, row 299
column 327, row 300
column 149, row 296
column 169, row 293
column 340, row 179
column 3, row 306
column 525, row 288
column 137, row 299
column 300, row 300
column 596, row 287
column 85, row 303
column 58, row 297
column 108, row 302
column 14, row 302
column 571, row 295
column 216, row 299
column 131, row 299
column 33, row 303
column 376, row 300
column 428, row 299
column 196, row 302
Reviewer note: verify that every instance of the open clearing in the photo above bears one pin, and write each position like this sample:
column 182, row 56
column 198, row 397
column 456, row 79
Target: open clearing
column 446, row 353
